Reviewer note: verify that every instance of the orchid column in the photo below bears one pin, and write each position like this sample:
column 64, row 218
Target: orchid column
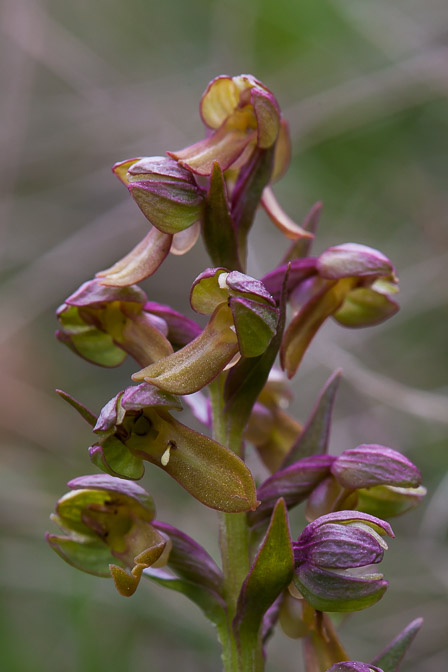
column 226, row 374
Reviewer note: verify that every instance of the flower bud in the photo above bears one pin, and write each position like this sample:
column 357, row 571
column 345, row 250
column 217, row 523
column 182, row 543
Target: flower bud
column 369, row 465
column 350, row 282
column 327, row 552
column 108, row 530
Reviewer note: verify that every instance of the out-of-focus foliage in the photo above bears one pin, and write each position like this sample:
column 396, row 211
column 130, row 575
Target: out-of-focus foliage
column 364, row 86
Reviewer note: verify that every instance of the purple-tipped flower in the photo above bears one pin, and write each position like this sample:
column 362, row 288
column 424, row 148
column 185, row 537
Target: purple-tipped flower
column 243, row 318
column 242, row 115
column 249, row 140
column 370, row 478
column 353, row 666
column 105, row 324
column 351, row 283
column 171, row 201
column 369, row 465
column 329, row 555
column 108, row 530
column 136, row 426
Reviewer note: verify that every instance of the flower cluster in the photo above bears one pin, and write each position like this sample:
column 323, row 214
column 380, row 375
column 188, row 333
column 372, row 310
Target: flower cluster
column 225, row 373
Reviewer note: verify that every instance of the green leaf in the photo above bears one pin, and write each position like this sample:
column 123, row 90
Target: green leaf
column 248, row 191
column 390, row 659
column 218, row 229
column 314, row 438
column 270, row 573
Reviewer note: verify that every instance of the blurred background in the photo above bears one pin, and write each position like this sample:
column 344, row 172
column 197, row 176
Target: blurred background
column 364, row 85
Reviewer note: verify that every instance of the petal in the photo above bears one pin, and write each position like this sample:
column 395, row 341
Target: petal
column 198, row 363
column 209, row 290
column 183, row 241
column 327, row 591
column 306, row 323
column 364, row 307
column 369, row 465
column 117, row 485
column 91, row 556
column 267, row 113
column 93, row 294
column 170, row 207
column 181, row 329
column 255, row 325
column 282, row 154
column 140, row 263
column 293, row 484
column 335, row 546
column 213, row 474
column 121, row 169
column 352, row 259
column 281, row 220
column 224, row 146
column 113, row 457
column 221, row 98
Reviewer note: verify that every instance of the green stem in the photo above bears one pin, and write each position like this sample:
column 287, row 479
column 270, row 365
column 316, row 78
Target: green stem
column 233, row 532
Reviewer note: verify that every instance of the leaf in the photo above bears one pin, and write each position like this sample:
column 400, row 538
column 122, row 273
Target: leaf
column 314, row 438
column 270, row 573
column 218, row 229
column 293, row 484
column 390, row 659
column 252, row 179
